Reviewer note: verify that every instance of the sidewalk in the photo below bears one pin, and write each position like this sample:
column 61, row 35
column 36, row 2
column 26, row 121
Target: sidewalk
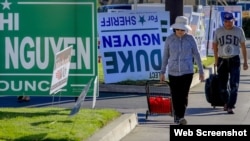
column 156, row 127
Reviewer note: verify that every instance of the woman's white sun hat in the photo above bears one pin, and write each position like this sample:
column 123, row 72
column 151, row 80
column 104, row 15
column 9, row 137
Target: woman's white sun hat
column 181, row 22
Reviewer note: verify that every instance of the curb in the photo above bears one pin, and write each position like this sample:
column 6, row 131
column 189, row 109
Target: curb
column 117, row 129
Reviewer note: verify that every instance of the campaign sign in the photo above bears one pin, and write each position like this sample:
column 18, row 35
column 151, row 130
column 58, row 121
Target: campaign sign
column 131, row 44
column 33, row 31
column 61, row 70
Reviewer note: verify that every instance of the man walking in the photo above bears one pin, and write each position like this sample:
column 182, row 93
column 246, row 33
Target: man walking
column 227, row 42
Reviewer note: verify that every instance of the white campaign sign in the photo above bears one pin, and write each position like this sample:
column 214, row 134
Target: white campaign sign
column 61, row 70
column 131, row 44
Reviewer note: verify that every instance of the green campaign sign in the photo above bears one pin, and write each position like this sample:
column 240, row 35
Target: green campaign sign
column 32, row 32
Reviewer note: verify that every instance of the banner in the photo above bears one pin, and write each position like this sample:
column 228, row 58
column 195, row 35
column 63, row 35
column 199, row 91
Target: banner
column 197, row 24
column 33, row 31
column 131, row 44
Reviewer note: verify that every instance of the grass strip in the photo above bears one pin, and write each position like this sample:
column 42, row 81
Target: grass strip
column 54, row 124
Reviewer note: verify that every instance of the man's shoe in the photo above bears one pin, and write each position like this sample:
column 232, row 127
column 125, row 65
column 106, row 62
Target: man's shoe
column 230, row 111
column 26, row 98
column 20, row 98
column 182, row 121
column 176, row 119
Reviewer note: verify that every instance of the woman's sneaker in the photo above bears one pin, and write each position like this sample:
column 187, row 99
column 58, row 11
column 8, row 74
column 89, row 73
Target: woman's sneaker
column 225, row 107
column 182, row 121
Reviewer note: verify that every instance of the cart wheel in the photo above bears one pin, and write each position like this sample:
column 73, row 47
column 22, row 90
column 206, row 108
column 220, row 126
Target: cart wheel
column 147, row 112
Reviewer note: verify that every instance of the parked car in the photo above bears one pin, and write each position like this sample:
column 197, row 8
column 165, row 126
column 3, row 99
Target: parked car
column 106, row 8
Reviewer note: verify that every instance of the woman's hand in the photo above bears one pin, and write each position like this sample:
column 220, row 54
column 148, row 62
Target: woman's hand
column 162, row 78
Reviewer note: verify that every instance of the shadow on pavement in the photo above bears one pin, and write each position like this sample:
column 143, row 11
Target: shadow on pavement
column 35, row 101
column 42, row 101
column 205, row 111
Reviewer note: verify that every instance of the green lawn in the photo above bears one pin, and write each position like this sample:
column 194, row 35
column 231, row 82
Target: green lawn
column 53, row 124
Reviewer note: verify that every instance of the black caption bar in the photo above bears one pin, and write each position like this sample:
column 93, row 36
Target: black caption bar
column 198, row 132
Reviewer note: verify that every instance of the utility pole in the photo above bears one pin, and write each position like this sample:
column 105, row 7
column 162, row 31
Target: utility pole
column 175, row 7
